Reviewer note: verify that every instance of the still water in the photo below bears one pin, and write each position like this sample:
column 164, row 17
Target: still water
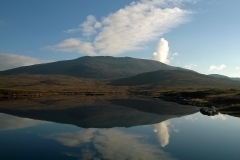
column 186, row 137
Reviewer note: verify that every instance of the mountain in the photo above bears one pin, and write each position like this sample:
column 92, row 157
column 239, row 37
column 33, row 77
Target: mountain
column 225, row 77
column 101, row 67
column 175, row 78
column 125, row 70
column 236, row 79
column 219, row 76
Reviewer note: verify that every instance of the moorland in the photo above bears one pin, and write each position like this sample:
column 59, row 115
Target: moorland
column 123, row 76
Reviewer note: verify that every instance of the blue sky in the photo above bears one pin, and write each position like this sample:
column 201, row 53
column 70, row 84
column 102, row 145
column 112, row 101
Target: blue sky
column 202, row 35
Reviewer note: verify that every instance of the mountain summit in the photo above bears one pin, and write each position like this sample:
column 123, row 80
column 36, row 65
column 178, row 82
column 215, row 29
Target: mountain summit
column 100, row 67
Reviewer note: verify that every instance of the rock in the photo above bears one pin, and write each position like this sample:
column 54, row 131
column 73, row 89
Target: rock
column 184, row 101
column 210, row 111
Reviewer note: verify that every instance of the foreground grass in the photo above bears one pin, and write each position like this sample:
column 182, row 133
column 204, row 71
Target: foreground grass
column 39, row 85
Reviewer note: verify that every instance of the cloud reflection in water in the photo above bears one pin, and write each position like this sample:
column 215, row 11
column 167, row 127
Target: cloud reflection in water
column 109, row 144
column 219, row 116
column 9, row 122
column 162, row 132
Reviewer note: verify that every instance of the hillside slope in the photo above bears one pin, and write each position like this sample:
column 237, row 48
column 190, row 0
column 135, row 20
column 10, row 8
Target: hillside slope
column 219, row 76
column 226, row 77
column 175, row 78
column 101, row 67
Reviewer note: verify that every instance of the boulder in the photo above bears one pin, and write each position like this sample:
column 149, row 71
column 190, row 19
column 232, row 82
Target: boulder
column 210, row 111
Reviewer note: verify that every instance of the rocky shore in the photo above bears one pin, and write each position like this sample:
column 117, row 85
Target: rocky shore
column 210, row 111
column 225, row 101
column 211, row 104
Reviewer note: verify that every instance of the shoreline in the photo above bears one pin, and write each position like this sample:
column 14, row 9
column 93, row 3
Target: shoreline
column 226, row 101
column 224, row 108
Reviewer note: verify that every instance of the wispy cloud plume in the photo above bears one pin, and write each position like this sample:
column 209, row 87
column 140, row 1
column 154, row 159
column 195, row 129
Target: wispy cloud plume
column 162, row 51
column 218, row 68
column 9, row 61
column 130, row 27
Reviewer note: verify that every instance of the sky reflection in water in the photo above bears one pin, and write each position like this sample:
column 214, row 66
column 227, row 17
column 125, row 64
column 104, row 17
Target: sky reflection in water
column 189, row 137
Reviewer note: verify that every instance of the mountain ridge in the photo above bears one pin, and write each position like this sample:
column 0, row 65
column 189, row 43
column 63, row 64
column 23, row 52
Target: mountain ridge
column 174, row 78
column 225, row 77
column 117, row 71
column 100, row 67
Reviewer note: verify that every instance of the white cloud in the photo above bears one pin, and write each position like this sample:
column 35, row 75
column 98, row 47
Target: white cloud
column 190, row 66
column 9, row 61
column 88, row 27
column 74, row 45
column 162, row 51
column 237, row 68
column 218, row 68
column 162, row 132
column 130, row 27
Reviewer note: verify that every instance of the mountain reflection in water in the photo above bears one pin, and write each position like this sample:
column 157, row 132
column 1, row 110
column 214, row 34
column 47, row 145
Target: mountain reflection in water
column 158, row 131
column 92, row 143
column 101, row 113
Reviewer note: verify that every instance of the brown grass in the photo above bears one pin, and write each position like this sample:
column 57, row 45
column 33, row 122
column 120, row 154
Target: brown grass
column 54, row 83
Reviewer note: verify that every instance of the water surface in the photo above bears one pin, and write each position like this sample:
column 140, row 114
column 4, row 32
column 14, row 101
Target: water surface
column 145, row 136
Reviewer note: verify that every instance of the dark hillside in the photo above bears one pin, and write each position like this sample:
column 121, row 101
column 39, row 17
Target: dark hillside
column 175, row 78
column 219, row 76
column 101, row 67
column 225, row 77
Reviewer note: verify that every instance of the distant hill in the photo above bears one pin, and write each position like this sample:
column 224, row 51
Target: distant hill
column 175, row 78
column 101, row 67
column 219, row 76
column 236, row 79
column 225, row 77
